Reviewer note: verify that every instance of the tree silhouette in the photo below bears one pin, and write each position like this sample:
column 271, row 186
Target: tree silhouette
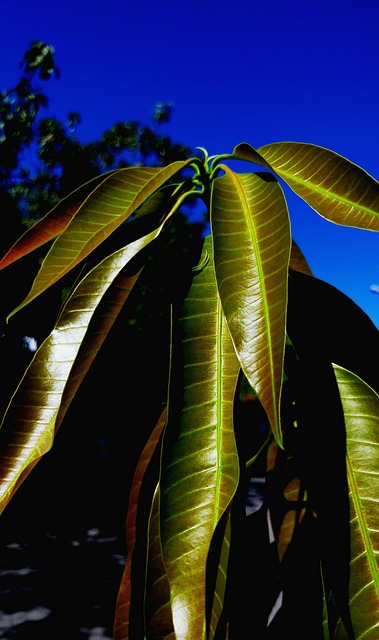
column 42, row 158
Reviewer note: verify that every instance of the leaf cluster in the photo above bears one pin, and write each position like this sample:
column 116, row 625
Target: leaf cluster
column 261, row 387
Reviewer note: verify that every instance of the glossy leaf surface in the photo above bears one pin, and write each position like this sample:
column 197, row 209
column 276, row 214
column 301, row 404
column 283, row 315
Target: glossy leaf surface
column 29, row 426
column 361, row 410
column 52, row 224
column 113, row 201
column 252, row 242
column 335, row 187
column 158, row 613
column 200, row 466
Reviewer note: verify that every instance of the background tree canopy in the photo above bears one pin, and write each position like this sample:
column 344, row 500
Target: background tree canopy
column 42, row 158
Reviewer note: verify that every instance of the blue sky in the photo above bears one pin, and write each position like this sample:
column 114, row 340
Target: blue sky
column 249, row 71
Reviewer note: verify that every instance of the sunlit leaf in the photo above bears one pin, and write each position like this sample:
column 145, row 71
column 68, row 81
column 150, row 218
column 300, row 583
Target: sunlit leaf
column 28, row 428
column 251, row 235
column 361, row 409
column 52, row 224
column 200, row 462
column 113, row 201
column 335, row 187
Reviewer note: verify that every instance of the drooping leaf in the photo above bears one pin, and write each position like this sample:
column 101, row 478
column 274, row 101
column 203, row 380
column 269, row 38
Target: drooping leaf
column 361, row 409
column 101, row 322
column 200, row 467
column 316, row 313
column 52, row 224
column 113, row 201
column 218, row 601
column 122, row 614
column 293, row 532
column 335, row 187
column 159, row 624
column 251, row 235
column 29, row 426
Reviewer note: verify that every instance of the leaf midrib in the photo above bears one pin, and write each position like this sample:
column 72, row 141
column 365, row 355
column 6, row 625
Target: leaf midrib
column 362, row 525
column 288, row 177
column 245, row 204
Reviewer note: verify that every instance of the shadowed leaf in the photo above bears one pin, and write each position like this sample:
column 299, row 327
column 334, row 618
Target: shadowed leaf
column 361, row 409
column 292, row 516
column 40, row 401
column 298, row 261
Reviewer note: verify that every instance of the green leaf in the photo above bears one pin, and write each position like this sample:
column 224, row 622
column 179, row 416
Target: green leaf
column 52, row 224
column 218, row 601
column 335, row 187
column 200, row 468
column 159, row 622
column 361, row 409
column 123, row 607
column 113, row 201
column 44, row 394
column 252, row 242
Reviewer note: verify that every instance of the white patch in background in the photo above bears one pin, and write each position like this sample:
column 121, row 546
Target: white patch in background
column 271, row 536
column 275, row 609
column 254, row 495
column 8, row 620
column 29, row 343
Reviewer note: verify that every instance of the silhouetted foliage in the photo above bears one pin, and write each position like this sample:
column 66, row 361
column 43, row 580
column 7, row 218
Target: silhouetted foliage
column 42, row 159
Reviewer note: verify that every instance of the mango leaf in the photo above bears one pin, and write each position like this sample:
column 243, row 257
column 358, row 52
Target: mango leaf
column 222, row 572
column 158, row 614
column 113, row 201
column 29, row 425
column 361, row 410
column 335, row 187
column 104, row 318
column 123, row 606
column 200, row 468
column 252, row 241
column 298, row 261
column 52, row 224
column 101, row 323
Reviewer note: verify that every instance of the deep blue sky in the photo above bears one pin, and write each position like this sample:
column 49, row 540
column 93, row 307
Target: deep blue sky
column 255, row 71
